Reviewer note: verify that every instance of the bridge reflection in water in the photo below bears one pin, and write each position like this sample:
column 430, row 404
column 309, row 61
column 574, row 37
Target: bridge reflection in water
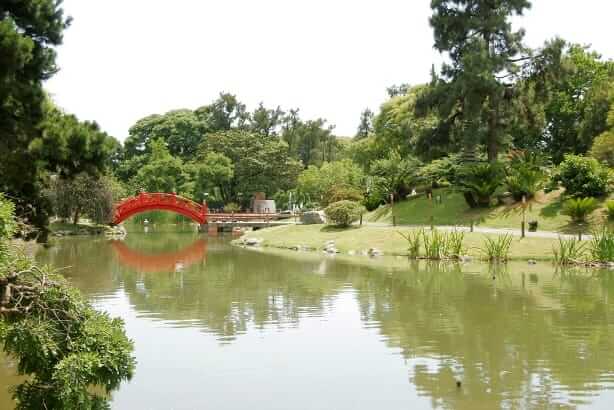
column 161, row 262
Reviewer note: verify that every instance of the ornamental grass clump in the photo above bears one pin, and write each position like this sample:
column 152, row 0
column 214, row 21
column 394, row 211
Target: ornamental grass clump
column 414, row 242
column 435, row 245
column 601, row 246
column 455, row 247
column 497, row 249
column 609, row 206
column 569, row 251
column 579, row 208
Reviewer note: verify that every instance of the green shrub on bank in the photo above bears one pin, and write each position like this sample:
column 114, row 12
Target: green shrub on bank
column 582, row 176
column 610, row 209
column 343, row 213
column 569, row 251
column 525, row 174
column 437, row 245
column 601, row 246
column 480, row 182
column 497, row 249
column 579, row 208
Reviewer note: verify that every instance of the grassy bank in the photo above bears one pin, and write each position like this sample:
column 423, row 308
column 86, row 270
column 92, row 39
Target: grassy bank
column 453, row 210
column 387, row 239
column 59, row 228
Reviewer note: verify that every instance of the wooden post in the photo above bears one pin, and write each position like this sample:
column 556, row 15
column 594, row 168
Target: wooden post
column 394, row 222
column 360, row 219
column 471, row 226
column 524, row 216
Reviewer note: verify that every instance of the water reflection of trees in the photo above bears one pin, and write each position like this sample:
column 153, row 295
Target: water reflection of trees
column 523, row 338
column 497, row 336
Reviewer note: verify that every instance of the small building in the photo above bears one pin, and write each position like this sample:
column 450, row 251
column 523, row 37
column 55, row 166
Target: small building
column 264, row 206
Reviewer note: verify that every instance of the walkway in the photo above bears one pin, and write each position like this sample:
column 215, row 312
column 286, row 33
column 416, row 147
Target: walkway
column 485, row 230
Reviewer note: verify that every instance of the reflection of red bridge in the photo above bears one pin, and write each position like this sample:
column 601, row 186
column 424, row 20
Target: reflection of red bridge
column 145, row 202
column 163, row 262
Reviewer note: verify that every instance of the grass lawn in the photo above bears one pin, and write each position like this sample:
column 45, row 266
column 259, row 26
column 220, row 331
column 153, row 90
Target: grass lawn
column 453, row 210
column 386, row 239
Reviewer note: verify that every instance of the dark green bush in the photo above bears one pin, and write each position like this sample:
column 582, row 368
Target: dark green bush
column 373, row 201
column 525, row 174
column 582, row 176
column 343, row 213
column 480, row 182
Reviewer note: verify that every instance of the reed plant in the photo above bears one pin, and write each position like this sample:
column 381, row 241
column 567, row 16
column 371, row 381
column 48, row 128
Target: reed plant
column 497, row 249
column 414, row 242
column 454, row 244
column 569, row 251
column 601, row 246
column 435, row 245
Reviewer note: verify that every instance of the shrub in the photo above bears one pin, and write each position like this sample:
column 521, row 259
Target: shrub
column 343, row 213
column 373, row 201
column 569, row 251
column 610, row 209
column 582, row 176
column 525, row 174
column 480, row 182
column 579, row 208
column 231, row 207
column 497, row 249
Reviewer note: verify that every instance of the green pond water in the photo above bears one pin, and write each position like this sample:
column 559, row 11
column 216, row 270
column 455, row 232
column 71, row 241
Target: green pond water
column 221, row 327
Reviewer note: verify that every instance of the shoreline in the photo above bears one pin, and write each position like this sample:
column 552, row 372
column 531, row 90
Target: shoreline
column 383, row 241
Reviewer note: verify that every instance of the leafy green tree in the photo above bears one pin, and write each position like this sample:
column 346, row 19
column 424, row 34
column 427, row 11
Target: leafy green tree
column 399, row 128
column 266, row 121
column 63, row 345
column 311, row 142
column 162, row 173
column 483, row 50
column 181, row 130
column 365, row 127
column 224, row 114
column 213, row 171
column 84, row 195
column 261, row 163
column 315, row 183
column 579, row 94
column 603, row 145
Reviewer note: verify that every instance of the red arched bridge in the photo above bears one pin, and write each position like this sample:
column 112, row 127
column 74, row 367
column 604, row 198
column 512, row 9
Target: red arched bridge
column 145, row 202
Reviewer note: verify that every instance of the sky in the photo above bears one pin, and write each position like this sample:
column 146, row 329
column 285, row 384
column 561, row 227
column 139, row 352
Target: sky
column 125, row 59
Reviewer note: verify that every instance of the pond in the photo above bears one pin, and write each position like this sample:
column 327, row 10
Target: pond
column 221, row 327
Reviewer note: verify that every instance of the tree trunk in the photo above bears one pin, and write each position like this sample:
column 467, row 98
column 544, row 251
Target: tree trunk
column 75, row 219
column 492, row 143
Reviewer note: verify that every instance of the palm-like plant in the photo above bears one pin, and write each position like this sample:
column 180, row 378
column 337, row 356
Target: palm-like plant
column 480, row 183
column 579, row 208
